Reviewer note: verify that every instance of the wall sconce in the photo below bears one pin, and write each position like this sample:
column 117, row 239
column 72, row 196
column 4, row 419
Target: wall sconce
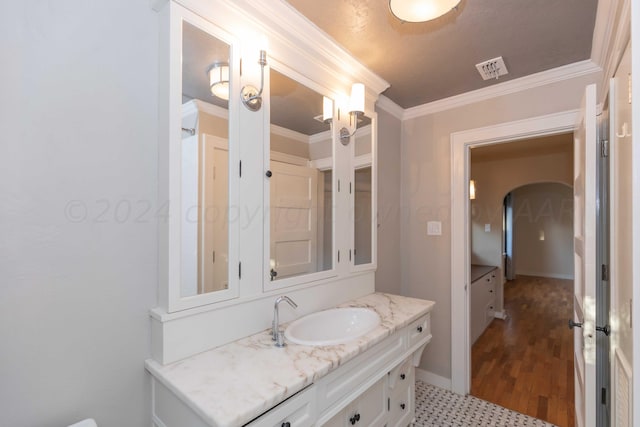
column 252, row 97
column 219, row 80
column 421, row 10
column 327, row 110
column 356, row 109
column 472, row 189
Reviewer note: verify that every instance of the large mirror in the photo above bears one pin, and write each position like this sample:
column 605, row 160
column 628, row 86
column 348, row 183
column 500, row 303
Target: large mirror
column 363, row 209
column 205, row 163
column 301, row 185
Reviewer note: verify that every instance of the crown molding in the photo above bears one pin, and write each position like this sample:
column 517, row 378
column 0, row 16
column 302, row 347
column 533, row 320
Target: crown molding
column 566, row 72
column 390, row 107
column 611, row 35
column 290, row 134
column 282, row 21
column 320, row 137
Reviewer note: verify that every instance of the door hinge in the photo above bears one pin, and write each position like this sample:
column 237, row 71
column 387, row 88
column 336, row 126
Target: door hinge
column 338, row 256
column 213, row 257
column 605, row 272
column 240, row 169
column 603, row 396
column 349, row 255
column 604, row 148
column 240, row 67
column 338, row 186
column 388, row 403
column 239, row 270
column 349, row 188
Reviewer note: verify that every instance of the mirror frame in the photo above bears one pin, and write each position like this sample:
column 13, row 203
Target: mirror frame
column 359, row 162
column 175, row 301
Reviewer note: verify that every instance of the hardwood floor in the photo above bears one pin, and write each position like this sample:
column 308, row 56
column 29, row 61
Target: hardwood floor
column 525, row 363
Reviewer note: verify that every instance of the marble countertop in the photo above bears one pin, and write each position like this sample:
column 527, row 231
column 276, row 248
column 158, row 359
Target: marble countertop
column 477, row 271
column 232, row 384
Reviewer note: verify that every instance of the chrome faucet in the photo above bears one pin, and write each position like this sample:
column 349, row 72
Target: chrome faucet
column 276, row 334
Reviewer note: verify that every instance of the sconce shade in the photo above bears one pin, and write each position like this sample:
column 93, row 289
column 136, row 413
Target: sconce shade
column 219, row 80
column 420, row 10
column 472, row 189
column 356, row 102
column 327, row 109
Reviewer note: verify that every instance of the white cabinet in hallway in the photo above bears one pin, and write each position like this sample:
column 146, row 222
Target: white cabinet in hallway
column 483, row 299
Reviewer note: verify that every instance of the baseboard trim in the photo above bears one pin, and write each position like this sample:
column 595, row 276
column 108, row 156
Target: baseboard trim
column 433, row 379
column 545, row 275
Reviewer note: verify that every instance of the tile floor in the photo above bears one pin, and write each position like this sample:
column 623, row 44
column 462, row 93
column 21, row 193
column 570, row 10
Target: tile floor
column 436, row 407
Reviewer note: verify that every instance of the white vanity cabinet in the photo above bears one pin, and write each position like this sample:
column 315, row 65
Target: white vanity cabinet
column 367, row 410
column 483, row 301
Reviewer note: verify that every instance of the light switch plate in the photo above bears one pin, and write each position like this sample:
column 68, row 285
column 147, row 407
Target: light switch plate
column 434, row 228
column 487, row 228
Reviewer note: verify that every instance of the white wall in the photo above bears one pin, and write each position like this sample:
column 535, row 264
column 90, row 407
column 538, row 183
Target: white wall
column 426, row 195
column 78, row 121
column 543, row 230
column 388, row 274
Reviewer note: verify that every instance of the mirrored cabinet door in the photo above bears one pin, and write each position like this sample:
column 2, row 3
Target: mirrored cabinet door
column 204, row 151
column 363, row 194
column 301, row 183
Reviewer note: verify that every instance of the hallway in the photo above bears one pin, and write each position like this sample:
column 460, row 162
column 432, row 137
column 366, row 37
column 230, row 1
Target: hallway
column 525, row 363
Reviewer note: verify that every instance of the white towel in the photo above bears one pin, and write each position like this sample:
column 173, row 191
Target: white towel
column 89, row 422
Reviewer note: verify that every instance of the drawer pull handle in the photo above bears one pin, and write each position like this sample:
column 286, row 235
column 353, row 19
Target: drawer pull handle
column 419, row 329
column 402, row 376
column 287, row 424
column 354, row 419
column 402, row 406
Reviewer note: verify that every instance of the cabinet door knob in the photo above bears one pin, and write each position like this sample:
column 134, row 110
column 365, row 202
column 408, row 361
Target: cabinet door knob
column 402, row 406
column 268, row 174
column 419, row 329
column 287, row 424
column 402, row 376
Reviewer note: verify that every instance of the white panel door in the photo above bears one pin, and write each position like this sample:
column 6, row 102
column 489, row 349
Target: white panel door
column 584, row 304
column 623, row 267
column 294, row 203
column 214, row 235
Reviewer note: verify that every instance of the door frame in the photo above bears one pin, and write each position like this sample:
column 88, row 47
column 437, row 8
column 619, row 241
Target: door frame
column 461, row 143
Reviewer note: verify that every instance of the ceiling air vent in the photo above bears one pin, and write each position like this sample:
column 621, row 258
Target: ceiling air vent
column 492, row 69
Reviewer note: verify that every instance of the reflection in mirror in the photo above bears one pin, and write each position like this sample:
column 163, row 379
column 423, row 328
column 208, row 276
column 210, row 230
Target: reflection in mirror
column 205, row 161
column 301, row 205
column 362, row 204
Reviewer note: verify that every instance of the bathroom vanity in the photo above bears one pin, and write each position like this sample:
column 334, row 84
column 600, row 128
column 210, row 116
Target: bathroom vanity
column 483, row 300
column 268, row 173
column 368, row 381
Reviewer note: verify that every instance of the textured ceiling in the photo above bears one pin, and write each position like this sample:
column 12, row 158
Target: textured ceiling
column 428, row 61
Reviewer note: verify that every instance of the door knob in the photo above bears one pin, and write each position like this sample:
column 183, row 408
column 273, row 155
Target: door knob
column 573, row 324
column 268, row 174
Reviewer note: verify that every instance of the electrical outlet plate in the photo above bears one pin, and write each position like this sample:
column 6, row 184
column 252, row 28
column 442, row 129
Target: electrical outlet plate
column 434, row 228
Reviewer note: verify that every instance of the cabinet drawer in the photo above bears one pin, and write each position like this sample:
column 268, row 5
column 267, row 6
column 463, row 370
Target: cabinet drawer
column 297, row 411
column 420, row 330
column 368, row 410
column 401, row 374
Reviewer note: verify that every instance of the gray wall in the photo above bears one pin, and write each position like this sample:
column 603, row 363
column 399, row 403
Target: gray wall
column 543, row 230
column 77, row 268
column 426, row 195
column 388, row 275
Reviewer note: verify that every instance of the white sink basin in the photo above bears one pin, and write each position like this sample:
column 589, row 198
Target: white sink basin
column 334, row 326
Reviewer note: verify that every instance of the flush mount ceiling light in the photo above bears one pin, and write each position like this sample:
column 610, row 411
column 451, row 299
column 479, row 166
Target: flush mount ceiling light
column 219, row 80
column 420, row 10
